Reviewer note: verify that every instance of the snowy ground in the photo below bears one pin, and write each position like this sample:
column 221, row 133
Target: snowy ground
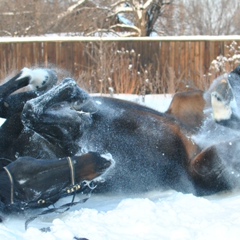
column 155, row 215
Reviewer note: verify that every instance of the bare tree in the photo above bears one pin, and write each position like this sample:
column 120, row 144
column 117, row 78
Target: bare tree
column 82, row 18
column 134, row 17
column 122, row 17
column 25, row 18
column 209, row 17
column 138, row 17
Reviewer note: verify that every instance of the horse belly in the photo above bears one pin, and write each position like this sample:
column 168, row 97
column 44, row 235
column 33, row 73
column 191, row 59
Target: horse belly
column 144, row 160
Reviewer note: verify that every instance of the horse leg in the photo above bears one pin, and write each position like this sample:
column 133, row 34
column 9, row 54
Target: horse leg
column 9, row 132
column 66, row 91
column 38, row 79
column 14, row 103
column 217, row 168
column 13, row 84
column 11, row 105
column 54, row 117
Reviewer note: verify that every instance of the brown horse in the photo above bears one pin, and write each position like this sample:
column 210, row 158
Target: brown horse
column 150, row 149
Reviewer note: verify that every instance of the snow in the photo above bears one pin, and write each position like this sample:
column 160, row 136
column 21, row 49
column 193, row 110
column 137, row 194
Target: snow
column 57, row 38
column 155, row 215
column 2, row 120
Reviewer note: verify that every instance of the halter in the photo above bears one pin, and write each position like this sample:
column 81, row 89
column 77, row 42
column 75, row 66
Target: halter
column 69, row 190
column 72, row 170
column 74, row 187
column 12, row 185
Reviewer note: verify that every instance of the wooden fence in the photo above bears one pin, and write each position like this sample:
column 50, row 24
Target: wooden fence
column 188, row 57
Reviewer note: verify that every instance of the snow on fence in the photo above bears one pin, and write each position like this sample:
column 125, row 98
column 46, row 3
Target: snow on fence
column 187, row 57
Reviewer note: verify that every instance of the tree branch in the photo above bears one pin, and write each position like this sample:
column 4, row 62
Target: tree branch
column 103, row 30
column 147, row 4
column 132, row 28
column 118, row 3
column 79, row 3
column 121, row 10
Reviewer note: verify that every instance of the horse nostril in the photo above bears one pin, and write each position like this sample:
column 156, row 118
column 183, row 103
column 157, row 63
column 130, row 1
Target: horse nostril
column 106, row 164
column 107, row 160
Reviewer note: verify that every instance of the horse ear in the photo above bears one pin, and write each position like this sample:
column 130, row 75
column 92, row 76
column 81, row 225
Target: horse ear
column 91, row 165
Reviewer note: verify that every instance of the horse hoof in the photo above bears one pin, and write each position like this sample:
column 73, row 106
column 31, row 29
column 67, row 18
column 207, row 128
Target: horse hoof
column 40, row 79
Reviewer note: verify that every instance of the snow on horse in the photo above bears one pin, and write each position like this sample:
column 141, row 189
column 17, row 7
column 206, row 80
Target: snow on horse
column 148, row 148
column 193, row 107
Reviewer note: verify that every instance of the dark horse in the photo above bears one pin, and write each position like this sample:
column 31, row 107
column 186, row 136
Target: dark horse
column 34, row 173
column 150, row 149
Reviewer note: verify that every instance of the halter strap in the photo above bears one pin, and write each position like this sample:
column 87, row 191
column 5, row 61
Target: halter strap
column 72, row 170
column 75, row 187
column 12, row 185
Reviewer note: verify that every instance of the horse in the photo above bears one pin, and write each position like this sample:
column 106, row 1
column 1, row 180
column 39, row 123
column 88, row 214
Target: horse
column 150, row 149
column 37, row 178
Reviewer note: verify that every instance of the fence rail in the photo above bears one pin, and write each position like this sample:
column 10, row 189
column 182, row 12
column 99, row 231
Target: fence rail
column 189, row 58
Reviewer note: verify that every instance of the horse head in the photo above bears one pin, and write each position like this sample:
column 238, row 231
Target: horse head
column 28, row 182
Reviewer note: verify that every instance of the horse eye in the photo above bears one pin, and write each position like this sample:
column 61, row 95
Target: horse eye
column 43, row 82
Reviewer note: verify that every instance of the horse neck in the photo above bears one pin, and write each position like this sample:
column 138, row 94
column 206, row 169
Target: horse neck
column 191, row 148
